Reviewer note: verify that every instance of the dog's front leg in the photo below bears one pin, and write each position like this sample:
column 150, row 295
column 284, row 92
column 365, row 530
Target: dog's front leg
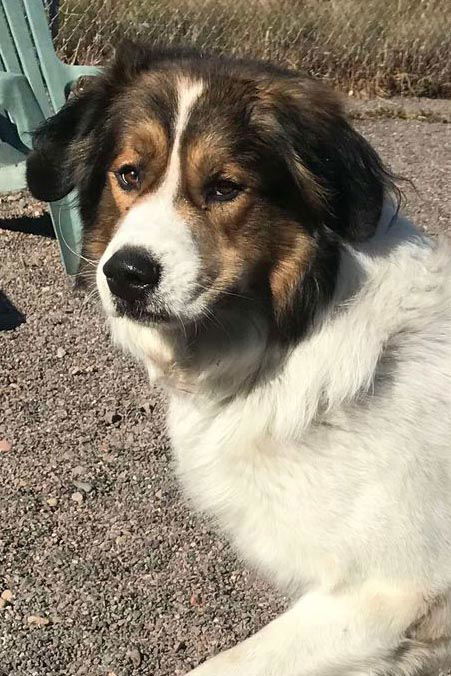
column 326, row 635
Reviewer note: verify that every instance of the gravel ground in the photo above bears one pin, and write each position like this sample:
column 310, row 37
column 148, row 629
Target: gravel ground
column 103, row 568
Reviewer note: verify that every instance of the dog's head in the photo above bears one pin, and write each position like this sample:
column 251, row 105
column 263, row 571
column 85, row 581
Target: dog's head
column 205, row 180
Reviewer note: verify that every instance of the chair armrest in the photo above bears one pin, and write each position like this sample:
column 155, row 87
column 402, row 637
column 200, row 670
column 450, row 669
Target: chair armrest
column 17, row 98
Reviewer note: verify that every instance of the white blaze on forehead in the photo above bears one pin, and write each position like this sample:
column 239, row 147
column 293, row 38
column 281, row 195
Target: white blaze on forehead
column 155, row 225
column 187, row 94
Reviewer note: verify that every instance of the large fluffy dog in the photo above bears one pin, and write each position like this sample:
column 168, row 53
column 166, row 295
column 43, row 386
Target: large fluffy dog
column 250, row 254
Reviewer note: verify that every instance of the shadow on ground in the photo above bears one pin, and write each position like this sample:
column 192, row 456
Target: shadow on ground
column 31, row 226
column 10, row 316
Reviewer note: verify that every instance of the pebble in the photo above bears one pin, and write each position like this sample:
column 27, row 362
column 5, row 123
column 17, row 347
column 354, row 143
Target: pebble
column 52, row 502
column 146, row 408
column 104, row 447
column 38, row 621
column 78, row 470
column 7, row 596
column 77, row 497
column 61, row 352
column 5, row 445
column 196, row 599
column 83, row 486
column 135, row 656
column 112, row 417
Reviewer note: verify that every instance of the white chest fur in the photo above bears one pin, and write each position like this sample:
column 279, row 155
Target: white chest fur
column 264, row 493
column 312, row 500
column 336, row 504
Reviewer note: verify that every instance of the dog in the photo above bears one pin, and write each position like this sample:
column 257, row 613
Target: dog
column 250, row 251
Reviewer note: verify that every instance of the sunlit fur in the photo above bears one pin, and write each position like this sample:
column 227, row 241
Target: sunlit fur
column 305, row 347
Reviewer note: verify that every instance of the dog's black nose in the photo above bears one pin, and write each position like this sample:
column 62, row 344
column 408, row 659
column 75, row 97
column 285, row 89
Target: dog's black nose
column 131, row 274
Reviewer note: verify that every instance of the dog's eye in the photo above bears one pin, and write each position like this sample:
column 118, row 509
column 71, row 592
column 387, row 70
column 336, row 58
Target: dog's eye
column 128, row 177
column 222, row 190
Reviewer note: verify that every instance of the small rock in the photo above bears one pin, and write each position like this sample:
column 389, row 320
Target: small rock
column 52, row 502
column 7, row 596
column 146, row 408
column 121, row 539
column 61, row 352
column 5, row 445
column 37, row 621
column 179, row 646
column 83, row 486
column 196, row 599
column 104, row 447
column 77, row 497
column 135, row 656
column 112, row 417
column 75, row 371
column 2, row 603
column 78, row 470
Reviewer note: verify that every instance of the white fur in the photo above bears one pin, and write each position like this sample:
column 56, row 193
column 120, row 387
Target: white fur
column 333, row 476
column 155, row 225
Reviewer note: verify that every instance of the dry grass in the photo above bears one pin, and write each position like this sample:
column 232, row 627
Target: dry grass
column 368, row 47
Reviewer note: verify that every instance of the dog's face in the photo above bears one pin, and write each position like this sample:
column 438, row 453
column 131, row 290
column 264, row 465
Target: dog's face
column 204, row 181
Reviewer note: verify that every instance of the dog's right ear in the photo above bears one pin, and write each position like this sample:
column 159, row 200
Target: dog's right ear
column 59, row 146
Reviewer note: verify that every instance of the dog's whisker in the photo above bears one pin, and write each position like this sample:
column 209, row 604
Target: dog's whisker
column 76, row 253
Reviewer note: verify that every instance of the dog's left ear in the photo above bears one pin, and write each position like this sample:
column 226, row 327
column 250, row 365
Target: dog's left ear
column 340, row 178
column 356, row 183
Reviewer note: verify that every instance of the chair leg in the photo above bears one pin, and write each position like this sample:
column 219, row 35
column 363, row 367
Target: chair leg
column 68, row 229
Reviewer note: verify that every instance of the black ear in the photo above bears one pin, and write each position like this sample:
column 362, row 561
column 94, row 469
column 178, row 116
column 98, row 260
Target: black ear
column 356, row 183
column 52, row 164
column 339, row 176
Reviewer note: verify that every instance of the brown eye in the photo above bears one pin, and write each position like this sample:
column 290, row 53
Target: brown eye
column 222, row 190
column 128, row 177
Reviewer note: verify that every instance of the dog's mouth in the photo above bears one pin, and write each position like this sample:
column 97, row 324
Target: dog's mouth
column 141, row 313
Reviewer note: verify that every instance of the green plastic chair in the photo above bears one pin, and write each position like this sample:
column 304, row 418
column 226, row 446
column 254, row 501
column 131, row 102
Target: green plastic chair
column 34, row 84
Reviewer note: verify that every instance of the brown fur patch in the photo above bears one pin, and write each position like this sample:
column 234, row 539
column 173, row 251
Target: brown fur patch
column 322, row 106
column 237, row 238
column 291, row 254
column 228, row 234
column 100, row 236
column 145, row 146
